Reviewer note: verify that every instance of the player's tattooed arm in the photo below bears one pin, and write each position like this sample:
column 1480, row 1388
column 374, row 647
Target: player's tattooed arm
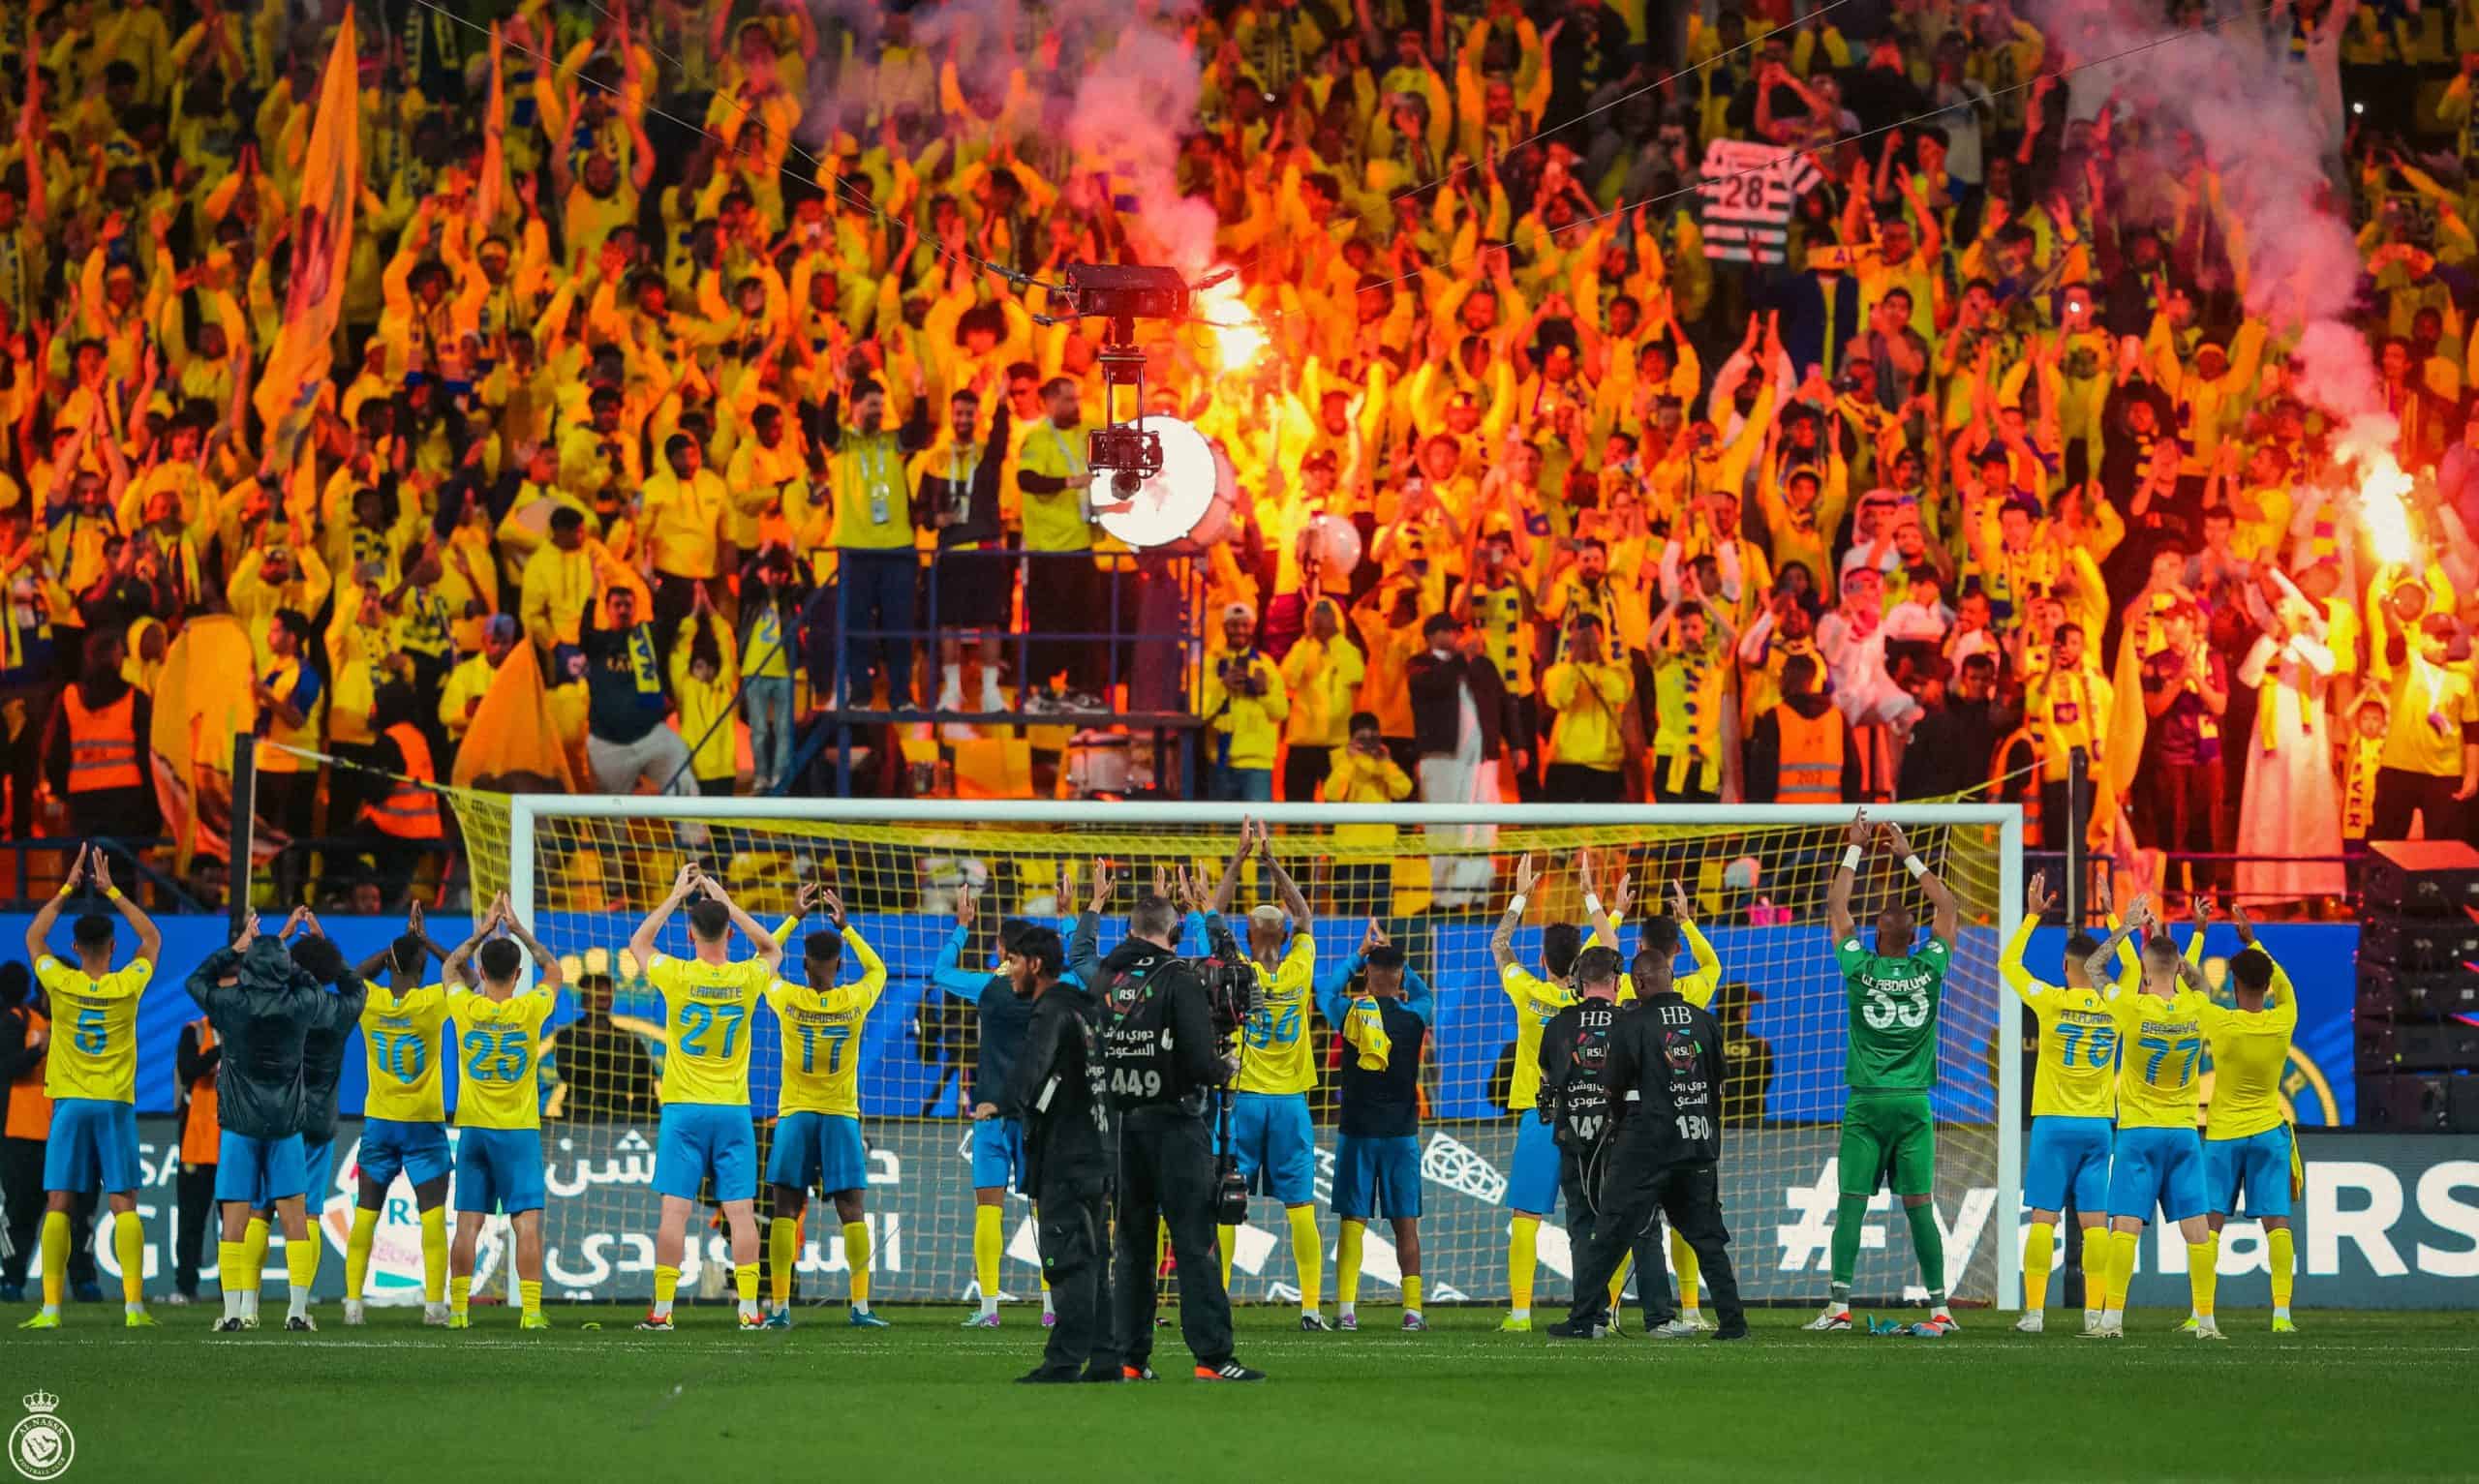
column 2096, row 966
column 1502, row 941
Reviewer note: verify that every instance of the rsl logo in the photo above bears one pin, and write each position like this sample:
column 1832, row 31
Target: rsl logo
column 40, row 1445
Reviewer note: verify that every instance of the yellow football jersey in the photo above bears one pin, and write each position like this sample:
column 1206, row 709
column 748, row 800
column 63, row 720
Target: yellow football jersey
column 707, row 1008
column 94, row 1030
column 2160, row 1058
column 2079, row 1056
column 1537, row 1002
column 1274, row 1046
column 1697, row 987
column 2249, row 1049
column 499, row 1055
column 821, row 1031
column 400, row 1039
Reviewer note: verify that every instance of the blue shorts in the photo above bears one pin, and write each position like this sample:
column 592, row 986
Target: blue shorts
column 259, row 1173
column 1377, row 1177
column 998, row 1154
column 1533, row 1185
column 2158, row 1166
column 498, row 1170
column 93, row 1145
column 811, row 1151
column 318, row 1173
column 418, row 1151
column 2257, row 1165
column 707, row 1139
column 1276, row 1146
column 2068, row 1157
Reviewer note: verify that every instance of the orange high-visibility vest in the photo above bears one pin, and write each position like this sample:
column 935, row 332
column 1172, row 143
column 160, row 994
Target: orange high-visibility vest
column 1810, row 756
column 29, row 1109
column 201, row 1132
column 409, row 811
column 102, row 744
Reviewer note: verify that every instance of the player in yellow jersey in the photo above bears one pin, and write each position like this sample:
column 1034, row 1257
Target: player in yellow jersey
column 1532, row 1184
column 498, row 1113
column 404, row 1125
column 709, row 1000
column 817, row 1115
column 2075, row 1103
column 91, row 1076
column 1270, row 1126
column 2160, row 1156
column 2249, row 1146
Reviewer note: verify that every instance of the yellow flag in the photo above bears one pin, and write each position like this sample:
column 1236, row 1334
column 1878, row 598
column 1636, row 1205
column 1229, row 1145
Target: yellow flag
column 513, row 732
column 322, row 249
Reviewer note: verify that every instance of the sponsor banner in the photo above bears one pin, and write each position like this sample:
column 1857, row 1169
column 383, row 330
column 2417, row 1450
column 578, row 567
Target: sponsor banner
column 2386, row 1221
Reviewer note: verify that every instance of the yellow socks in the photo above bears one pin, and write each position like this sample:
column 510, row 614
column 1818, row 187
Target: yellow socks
column 2039, row 1245
column 856, row 1257
column 1309, row 1254
column 529, row 1293
column 666, row 1285
column 435, row 1255
column 1225, row 1238
column 2203, row 1274
column 2122, row 1246
column 1412, row 1291
column 301, row 1269
column 2284, row 1260
column 744, row 1285
column 2094, row 1252
column 987, row 1244
column 459, row 1292
column 782, row 1252
column 255, row 1237
column 55, row 1258
column 232, row 1265
column 1691, row 1277
column 1523, row 1246
column 1347, row 1266
column 129, row 1245
column 365, row 1231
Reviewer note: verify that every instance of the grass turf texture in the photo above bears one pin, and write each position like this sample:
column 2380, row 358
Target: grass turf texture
column 2359, row 1395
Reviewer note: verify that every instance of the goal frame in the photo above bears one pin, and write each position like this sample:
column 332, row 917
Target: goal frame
column 525, row 810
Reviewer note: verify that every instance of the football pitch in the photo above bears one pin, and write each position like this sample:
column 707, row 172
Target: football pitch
column 2356, row 1395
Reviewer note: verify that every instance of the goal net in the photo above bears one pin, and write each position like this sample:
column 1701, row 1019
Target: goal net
column 583, row 870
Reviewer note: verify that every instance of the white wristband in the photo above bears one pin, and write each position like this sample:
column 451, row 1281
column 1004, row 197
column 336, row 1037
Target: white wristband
column 1592, row 906
column 1515, row 905
column 1917, row 866
column 1850, row 859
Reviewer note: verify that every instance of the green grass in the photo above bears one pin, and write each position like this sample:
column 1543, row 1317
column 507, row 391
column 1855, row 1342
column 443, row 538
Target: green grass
column 2358, row 1395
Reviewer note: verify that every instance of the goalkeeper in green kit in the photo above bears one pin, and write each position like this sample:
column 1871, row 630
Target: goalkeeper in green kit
column 1888, row 1131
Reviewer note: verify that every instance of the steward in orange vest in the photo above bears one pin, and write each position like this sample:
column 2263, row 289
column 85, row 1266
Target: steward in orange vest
column 95, row 755
column 1802, row 750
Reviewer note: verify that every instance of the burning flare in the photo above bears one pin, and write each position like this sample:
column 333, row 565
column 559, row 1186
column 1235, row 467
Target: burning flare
column 1238, row 338
column 2385, row 511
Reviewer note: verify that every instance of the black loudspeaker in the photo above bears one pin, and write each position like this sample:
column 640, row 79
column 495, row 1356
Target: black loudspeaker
column 2447, row 1046
column 2408, row 1103
column 2429, row 944
column 2421, row 878
column 2386, row 991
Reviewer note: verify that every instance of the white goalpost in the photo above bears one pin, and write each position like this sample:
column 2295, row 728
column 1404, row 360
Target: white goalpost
column 583, row 868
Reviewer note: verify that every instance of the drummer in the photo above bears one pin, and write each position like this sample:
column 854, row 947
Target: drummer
column 1320, row 548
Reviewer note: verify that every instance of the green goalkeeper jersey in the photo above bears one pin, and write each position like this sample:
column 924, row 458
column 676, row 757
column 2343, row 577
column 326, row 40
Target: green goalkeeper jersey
column 1893, row 1015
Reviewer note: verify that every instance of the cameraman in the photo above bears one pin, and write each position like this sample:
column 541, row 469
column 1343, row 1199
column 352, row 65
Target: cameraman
column 1664, row 1079
column 1575, row 1050
column 1055, row 1091
column 1162, row 1058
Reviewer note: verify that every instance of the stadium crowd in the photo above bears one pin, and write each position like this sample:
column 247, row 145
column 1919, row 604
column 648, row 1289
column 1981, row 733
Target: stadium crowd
column 1804, row 401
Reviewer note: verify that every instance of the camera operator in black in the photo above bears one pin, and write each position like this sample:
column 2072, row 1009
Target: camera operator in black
column 1663, row 1076
column 1574, row 1050
column 1056, row 1090
column 1162, row 1058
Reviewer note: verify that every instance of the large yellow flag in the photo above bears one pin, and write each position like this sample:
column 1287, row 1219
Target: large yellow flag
column 513, row 732
column 321, row 248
